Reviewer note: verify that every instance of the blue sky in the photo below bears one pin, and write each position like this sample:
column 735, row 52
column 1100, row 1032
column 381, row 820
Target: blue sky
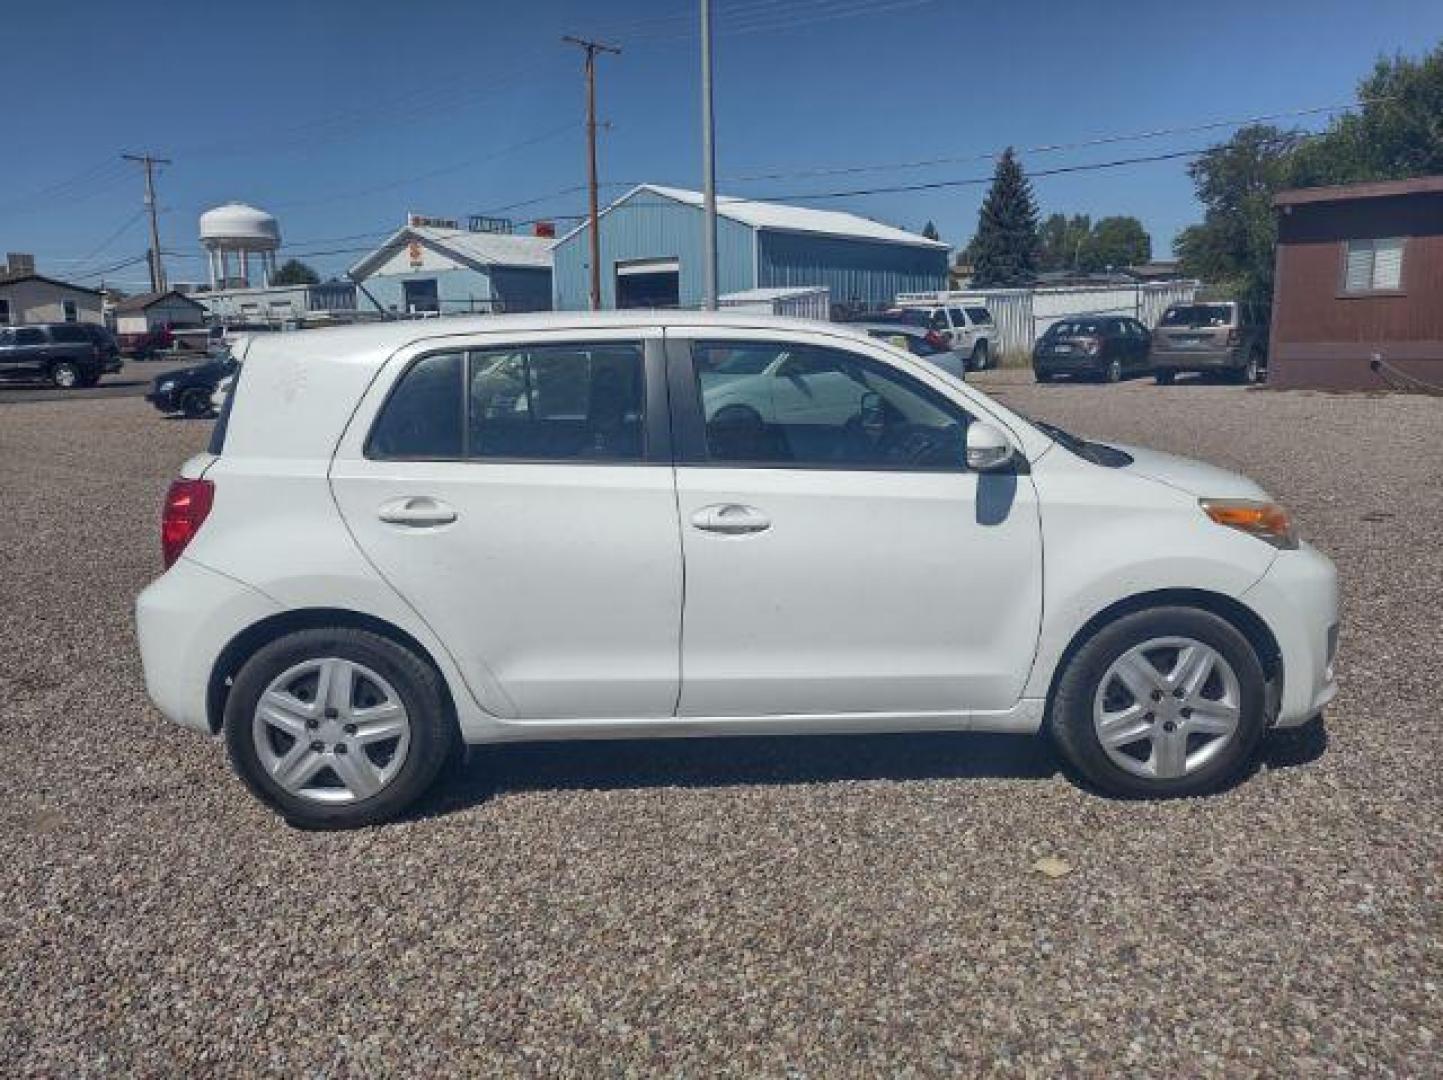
column 341, row 117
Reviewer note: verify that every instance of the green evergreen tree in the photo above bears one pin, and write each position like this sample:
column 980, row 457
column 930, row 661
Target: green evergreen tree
column 1006, row 243
column 930, row 231
column 295, row 272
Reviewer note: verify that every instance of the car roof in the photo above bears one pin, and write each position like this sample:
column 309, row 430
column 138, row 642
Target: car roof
column 375, row 341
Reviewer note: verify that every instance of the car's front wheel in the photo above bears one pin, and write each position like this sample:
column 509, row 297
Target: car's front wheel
column 66, row 375
column 195, row 403
column 981, row 356
column 1161, row 703
column 1164, row 377
column 338, row 729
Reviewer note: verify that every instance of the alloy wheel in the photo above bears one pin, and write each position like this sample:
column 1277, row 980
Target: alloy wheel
column 1167, row 707
column 331, row 731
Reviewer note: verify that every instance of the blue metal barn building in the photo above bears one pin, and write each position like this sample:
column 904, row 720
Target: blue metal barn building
column 651, row 253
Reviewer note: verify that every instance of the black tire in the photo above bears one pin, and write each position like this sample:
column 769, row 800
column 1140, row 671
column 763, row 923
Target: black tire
column 434, row 737
column 1043, row 376
column 981, row 356
column 195, row 403
column 1070, row 719
column 66, row 375
column 1165, row 378
column 1247, row 375
column 1112, row 372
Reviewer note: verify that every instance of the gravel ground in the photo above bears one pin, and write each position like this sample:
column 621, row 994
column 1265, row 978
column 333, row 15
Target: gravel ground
column 762, row 906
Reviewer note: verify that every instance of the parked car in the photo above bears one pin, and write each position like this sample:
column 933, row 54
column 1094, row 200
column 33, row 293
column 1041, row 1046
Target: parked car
column 919, row 341
column 67, row 354
column 1090, row 347
column 188, row 390
column 968, row 327
column 1227, row 338
column 412, row 535
column 147, row 344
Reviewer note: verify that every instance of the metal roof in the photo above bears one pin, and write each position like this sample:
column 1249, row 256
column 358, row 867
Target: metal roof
column 781, row 218
column 1373, row 189
column 141, row 301
column 476, row 249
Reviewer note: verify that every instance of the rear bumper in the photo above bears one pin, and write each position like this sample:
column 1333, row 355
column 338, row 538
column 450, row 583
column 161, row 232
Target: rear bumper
column 1081, row 364
column 183, row 620
column 1298, row 599
column 1197, row 359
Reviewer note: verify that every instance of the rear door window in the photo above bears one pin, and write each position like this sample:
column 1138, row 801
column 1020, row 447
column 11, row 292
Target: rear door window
column 980, row 315
column 958, row 317
column 29, row 335
column 577, row 402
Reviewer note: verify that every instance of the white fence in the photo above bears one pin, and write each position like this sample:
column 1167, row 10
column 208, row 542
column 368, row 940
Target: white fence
column 810, row 302
column 1023, row 315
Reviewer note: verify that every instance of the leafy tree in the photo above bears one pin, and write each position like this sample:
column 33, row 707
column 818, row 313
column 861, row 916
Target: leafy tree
column 1236, row 182
column 1115, row 242
column 930, row 231
column 294, row 272
column 1005, row 247
column 1060, row 240
column 1396, row 135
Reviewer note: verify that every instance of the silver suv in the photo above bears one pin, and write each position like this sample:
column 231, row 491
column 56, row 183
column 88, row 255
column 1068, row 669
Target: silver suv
column 1227, row 337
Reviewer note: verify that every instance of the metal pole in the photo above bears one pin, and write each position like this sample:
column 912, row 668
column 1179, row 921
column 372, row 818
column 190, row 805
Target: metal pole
column 708, row 165
column 157, row 268
column 592, row 48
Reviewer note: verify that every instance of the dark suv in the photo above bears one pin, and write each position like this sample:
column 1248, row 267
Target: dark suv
column 1096, row 347
column 68, row 354
column 1226, row 337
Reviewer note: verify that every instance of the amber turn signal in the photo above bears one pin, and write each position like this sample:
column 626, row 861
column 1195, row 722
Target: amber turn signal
column 1265, row 520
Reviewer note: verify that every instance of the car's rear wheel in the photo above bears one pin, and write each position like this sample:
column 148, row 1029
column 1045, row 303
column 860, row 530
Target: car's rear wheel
column 1165, row 378
column 1248, row 374
column 195, row 403
column 981, row 356
column 65, row 374
column 1161, row 703
column 338, row 729
column 1043, row 376
column 1113, row 372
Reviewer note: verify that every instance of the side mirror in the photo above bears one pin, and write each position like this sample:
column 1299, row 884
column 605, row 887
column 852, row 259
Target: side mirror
column 988, row 450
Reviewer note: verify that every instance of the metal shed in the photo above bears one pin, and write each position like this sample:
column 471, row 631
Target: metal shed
column 651, row 253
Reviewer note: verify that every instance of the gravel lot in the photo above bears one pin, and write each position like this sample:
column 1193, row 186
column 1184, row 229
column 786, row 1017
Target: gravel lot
column 764, row 906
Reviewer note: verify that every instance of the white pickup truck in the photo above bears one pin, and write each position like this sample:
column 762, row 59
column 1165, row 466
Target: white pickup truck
column 967, row 324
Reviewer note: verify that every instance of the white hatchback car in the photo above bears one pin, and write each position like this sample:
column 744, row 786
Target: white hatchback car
column 570, row 526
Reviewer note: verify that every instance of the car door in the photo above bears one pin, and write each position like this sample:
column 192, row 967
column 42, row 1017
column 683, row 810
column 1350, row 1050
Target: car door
column 519, row 495
column 846, row 568
column 32, row 348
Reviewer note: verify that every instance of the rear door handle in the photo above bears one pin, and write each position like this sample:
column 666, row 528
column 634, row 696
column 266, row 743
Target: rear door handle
column 416, row 511
column 731, row 519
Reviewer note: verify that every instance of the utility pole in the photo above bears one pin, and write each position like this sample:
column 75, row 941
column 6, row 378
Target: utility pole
column 592, row 48
column 157, row 268
column 708, row 166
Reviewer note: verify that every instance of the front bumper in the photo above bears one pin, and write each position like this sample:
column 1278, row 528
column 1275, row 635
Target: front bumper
column 183, row 620
column 1196, row 359
column 1298, row 600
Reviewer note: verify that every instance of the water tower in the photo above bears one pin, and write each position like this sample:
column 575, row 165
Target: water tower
column 231, row 234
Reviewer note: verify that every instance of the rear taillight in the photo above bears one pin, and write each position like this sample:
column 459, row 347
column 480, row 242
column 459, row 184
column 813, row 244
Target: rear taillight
column 186, row 505
column 936, row 340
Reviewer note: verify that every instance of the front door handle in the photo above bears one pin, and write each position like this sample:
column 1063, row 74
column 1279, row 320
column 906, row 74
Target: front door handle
column 416, row 511
column 731, row 519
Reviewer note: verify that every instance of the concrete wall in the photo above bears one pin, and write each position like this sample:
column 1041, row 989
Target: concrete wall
column 35, row 301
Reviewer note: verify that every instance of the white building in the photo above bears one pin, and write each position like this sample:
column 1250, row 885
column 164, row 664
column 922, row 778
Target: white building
column 423, row 269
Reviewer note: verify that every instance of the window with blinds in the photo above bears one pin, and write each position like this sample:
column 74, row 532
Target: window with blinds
column 1373, row 265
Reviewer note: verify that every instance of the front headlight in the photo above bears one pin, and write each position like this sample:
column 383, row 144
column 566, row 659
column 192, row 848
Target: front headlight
column 1266, row 520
